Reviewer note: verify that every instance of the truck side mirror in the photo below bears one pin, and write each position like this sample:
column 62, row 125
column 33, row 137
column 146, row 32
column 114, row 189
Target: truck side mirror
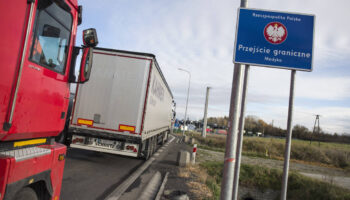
column 90, row 37
column 86, row 64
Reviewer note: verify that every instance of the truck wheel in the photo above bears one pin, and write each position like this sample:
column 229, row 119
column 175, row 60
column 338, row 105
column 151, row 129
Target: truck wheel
column 163, row 138
column 154, row 144
column 153, row 148
column 166, row 136
column 148, row 150
column 26, row 193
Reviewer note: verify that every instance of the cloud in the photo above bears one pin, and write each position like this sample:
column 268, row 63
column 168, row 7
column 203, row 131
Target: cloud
column 325, row 88
column 275, row 84
column 199, row 35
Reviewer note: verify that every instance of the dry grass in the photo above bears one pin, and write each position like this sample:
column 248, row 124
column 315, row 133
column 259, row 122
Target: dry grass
column 196, row 181
column 262, row 178
column 200, row 190
column 184, row 173
column 324, row 154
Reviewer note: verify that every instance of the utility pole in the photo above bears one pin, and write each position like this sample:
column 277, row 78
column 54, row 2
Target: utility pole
column 317, row 121
column 204, row 131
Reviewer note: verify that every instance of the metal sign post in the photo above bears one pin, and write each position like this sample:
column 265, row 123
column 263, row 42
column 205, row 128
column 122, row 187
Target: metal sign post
column 270, row 39
column 231, row 139
column 240, row 134
column 230, row 151
column 288, row 138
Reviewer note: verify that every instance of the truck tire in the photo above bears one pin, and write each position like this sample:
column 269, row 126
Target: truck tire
column 154, row 144
column 162, row 141
column 164, row 138
column 26, row 193
column 148, row 150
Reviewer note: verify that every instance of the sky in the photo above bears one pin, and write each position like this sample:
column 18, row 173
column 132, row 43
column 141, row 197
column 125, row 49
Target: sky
column 198, row 35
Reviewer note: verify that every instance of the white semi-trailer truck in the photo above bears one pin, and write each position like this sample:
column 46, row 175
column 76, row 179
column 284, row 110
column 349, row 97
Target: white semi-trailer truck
column 126, row 108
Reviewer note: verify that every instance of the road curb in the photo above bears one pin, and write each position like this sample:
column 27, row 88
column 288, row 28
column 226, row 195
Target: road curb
column 161, row 189
column 119, row 191
column 151, row 189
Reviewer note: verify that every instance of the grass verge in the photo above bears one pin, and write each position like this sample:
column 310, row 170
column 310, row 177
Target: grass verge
column 299, row 187
column 325, row 154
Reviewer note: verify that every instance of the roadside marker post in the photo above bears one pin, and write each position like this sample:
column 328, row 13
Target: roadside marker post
column 194, row 152
column 269, row 39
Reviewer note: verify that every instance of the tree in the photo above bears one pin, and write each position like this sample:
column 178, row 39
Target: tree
column 301, row 132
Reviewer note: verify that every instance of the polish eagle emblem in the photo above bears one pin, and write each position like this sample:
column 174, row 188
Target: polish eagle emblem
column 275, row 32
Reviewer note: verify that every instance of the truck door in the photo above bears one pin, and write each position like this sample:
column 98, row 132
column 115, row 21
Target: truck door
column 43, row 92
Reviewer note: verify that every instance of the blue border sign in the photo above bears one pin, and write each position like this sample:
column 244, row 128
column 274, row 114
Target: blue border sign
column 274, row 39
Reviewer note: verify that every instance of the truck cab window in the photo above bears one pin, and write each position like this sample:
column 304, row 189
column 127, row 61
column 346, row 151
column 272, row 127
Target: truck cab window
column 51, row 36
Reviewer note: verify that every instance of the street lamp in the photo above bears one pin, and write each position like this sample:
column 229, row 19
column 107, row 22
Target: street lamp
column 188, row 93
column 204, row 130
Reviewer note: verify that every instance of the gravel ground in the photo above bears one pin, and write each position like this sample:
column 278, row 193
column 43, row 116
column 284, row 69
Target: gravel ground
column 333, row 175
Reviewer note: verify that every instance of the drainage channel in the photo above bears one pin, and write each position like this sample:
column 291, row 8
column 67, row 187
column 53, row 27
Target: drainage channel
column 119, row 191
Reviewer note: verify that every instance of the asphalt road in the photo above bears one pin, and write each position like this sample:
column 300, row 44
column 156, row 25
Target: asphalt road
column 93, row 175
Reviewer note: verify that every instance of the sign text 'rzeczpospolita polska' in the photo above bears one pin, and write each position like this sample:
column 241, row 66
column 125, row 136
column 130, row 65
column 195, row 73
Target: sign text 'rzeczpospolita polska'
column 274, row 39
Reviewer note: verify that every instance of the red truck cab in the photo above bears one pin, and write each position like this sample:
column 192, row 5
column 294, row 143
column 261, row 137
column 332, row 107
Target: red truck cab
column 37, row 57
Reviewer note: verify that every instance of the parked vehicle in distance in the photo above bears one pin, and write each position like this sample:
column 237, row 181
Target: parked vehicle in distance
column 126, row 108
column 37, row 63
column 221, row 131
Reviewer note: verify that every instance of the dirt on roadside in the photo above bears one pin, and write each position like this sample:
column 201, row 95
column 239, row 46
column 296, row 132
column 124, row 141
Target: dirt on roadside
column 182, row 181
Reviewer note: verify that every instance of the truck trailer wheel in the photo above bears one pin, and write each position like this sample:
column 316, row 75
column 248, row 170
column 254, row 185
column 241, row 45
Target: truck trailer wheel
column 26, row 193
column 148, row 150
column 164, row 138
column 154, row 144
column 153, row 148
